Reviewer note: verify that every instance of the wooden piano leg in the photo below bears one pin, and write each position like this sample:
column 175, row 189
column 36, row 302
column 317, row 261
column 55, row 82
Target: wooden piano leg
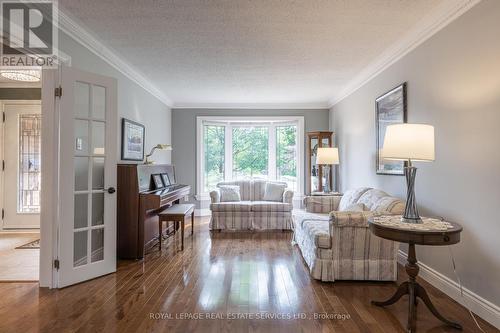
column 182, row 233
column 160, row 222
column 192, row 223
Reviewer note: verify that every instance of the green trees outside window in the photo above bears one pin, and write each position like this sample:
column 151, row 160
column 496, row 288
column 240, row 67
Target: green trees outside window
column 213, row 138
column 255, row 150
column 250, row 152
column 286, row 155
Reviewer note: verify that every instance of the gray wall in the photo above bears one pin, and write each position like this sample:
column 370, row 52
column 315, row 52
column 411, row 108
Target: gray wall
column 453, row 84
column 134, row 102
column 184, row 134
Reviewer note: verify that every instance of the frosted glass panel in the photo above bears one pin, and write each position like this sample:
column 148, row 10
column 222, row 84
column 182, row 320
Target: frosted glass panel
column 98, row 138
column 81, row 137
column 80, row 248
column 97, row 208
column 81, row 173
column 82, row 100
column 99, row 102
column 97, row 245
column 81, row 208
column 98, row 173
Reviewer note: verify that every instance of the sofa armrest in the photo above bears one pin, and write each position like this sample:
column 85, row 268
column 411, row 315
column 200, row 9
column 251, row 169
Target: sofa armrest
column 354, row 243
column 288, row 196
column 215, row 196
column 321, row 204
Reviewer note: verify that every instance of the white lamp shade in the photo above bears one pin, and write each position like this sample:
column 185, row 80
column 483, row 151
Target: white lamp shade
column 327, row 156
column 409, row 142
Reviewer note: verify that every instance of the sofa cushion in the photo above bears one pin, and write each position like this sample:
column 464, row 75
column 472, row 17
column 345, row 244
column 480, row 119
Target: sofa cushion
column 259, row 188
column 241, row 206
column 274, row 192
column 245, row 188
column 355, row 207
column 351, row 196
column 389, row 204
column 370, row 198
column 271, row 206
column 229, row 193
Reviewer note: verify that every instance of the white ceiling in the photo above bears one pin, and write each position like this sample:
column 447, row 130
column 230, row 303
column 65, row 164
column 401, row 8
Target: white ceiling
column 209, row 52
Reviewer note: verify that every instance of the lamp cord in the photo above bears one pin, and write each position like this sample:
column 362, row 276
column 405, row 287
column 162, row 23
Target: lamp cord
column 461, row 288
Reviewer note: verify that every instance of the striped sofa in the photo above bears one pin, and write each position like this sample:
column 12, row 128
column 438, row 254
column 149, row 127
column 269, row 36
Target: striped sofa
column 251, row 213
column 336, row 244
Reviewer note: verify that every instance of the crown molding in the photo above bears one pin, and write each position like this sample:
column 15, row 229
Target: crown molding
column 315, row 105
column 429, row 25
column 75, row 30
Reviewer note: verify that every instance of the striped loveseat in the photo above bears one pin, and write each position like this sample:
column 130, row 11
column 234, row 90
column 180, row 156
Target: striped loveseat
column 336, row 243
column 251, row 213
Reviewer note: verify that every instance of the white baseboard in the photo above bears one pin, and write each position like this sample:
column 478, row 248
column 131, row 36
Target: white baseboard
column 202, row 212
column 480, row 306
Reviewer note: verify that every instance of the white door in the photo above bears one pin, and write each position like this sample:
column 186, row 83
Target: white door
column 21, row 192
column 88, row 137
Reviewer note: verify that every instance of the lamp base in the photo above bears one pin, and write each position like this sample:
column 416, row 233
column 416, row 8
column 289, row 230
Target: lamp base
column 411, row 212
column 326, row 187
column 411, row 220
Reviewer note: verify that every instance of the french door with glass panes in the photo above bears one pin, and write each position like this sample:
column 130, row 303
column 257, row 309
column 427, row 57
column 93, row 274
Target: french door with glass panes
column 87, row 217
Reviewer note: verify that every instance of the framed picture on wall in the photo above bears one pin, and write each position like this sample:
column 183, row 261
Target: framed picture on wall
column 390, row 108
column 132, row 140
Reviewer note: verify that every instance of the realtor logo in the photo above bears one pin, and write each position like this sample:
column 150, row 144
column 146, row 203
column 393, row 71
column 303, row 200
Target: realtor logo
column 29, row 33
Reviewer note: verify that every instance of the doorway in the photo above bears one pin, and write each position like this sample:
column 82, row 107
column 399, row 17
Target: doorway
column 20, row 138
column 73, row 144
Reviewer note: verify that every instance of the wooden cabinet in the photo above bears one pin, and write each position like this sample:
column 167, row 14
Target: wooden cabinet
column 315, row 177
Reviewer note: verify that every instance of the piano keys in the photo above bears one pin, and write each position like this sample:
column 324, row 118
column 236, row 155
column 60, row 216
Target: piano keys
column 139, row 204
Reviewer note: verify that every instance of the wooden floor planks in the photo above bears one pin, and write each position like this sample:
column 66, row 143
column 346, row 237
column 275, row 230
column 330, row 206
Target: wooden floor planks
column 240, row 274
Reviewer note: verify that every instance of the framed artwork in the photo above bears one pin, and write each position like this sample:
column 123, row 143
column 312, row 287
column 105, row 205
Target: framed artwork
column 157, row 181
column 166, row 180
column 132, row 140
column 390, row 108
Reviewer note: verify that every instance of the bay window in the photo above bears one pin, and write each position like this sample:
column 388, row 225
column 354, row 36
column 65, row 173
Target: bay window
column 237, row 148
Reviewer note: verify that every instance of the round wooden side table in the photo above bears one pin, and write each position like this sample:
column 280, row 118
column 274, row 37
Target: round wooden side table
column 390, row 227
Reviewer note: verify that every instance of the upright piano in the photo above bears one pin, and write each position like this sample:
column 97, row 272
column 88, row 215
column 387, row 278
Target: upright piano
column 139, row 204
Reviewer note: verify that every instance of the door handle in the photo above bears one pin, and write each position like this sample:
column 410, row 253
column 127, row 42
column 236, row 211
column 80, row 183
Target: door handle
column 111, row 190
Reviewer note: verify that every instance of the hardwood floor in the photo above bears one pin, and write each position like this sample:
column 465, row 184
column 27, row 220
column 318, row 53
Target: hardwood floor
column 18, row 264
column 243, row 274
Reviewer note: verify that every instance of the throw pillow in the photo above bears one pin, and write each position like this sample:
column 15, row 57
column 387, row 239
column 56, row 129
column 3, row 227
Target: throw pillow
column 229, row 193
column 355, row 207
column 274, row 192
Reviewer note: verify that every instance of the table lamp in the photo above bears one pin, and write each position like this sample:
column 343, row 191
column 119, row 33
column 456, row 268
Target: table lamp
column 159, row 146
column 409, row 142
column 327, row 157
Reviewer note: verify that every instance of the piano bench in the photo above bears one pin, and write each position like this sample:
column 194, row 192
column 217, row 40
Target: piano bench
column 176, row 213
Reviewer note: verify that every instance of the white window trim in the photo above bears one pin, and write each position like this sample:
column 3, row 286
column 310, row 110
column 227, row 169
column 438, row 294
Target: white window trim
column 266, row 120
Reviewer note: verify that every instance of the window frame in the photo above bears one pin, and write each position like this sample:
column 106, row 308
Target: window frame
column 229, row 123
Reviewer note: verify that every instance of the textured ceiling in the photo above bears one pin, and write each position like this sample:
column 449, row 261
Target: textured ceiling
column 202, row 52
